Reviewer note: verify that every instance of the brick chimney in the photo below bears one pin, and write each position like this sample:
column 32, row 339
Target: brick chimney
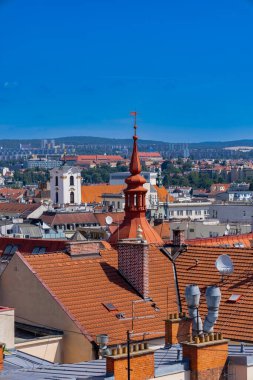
column 133, row 264
column 207, row 355
column 83, row 248
column 178, row 237
column 142, row 363
column 177, row 329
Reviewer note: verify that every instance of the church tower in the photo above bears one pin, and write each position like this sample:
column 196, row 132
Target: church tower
column 135, row 205
column 65, row 185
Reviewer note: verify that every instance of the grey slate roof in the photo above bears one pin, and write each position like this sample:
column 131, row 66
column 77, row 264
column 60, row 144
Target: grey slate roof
column 21, row 366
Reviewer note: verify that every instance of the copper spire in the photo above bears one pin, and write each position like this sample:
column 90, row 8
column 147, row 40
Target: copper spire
column 135, row 164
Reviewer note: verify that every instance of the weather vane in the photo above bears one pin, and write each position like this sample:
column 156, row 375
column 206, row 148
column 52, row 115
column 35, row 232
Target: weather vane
column 134, row 113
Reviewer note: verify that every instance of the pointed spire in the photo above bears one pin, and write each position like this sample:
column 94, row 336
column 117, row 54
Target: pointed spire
column 135, row 164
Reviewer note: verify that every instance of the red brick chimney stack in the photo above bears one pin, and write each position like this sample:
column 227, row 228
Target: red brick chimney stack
column 133, row 264
column 142, row 363
column 207, row 355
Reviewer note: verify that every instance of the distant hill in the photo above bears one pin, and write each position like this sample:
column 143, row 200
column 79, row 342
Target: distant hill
column 90, row 140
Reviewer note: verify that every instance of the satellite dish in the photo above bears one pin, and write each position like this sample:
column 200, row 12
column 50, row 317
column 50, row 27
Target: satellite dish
column 224, row 265
column 108, row 220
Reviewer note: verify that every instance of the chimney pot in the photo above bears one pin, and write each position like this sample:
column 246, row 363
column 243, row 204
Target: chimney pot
column 141, row 346
column 135, row 347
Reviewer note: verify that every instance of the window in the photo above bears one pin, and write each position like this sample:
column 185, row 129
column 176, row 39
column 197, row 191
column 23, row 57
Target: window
column 72, row 197
column 9, row 251
column 171, row 213
column 188, row 212
column 180, row 213
column 56, row 197
column 71, row 180
column 234, row 298
column 109, row 306
column 38, row 250
column 56, row 181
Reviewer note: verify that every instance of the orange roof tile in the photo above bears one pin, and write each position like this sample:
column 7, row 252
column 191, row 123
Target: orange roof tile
column 163, row 194
column 234, row 321
column 149, row 154
column 229, row 240
column 117, row 217
column 163, row 230
column 93, row 193
column 18, row 208
column 83, row 298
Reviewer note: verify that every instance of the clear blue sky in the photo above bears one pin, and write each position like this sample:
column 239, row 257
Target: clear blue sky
column 78, row 67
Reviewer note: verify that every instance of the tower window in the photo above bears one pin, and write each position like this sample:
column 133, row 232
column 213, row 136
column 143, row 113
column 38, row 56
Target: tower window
column 71, row 180
column 72, row 197
column 56, row 181
column 56, row 197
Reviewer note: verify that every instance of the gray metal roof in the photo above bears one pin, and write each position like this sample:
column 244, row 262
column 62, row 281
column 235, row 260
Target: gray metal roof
column 21, row 366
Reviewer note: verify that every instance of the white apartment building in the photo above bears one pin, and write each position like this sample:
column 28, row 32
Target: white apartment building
column 192, row 210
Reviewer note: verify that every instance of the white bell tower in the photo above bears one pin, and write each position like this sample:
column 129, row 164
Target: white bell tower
column 65, row 185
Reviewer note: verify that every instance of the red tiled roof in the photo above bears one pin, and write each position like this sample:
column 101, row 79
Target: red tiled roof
column 163, row 194
column 163, row 230
column 93, row 193
column 117, row 217
column 12, row 193
column 149, row 154
column 68, row 218
column 99, row 157
column 83, row 298
column 228, row 240
column 18, row 208
column 235, row 320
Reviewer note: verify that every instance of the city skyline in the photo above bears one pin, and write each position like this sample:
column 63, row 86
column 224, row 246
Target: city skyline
column 80, row 68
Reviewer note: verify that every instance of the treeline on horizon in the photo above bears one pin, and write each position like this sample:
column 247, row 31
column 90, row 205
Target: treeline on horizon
column 90, row 140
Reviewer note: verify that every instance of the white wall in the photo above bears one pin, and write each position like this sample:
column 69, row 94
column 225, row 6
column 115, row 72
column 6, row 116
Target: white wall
column 46, row 348
column 232, row 212
column 193, row 211
column 7, row 327
column 64, row 188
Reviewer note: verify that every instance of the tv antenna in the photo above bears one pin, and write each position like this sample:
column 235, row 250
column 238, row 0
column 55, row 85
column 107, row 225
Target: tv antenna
column 224, row 265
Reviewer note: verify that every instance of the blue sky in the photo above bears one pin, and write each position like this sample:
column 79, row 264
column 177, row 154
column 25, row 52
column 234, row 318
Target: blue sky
column 78, row 67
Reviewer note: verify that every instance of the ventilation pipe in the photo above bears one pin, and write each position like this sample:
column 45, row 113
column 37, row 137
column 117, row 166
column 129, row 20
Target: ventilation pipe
column 213, row 297
column 192, row 295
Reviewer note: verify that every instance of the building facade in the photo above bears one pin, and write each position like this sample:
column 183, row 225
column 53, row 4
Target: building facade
column 65, row 185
